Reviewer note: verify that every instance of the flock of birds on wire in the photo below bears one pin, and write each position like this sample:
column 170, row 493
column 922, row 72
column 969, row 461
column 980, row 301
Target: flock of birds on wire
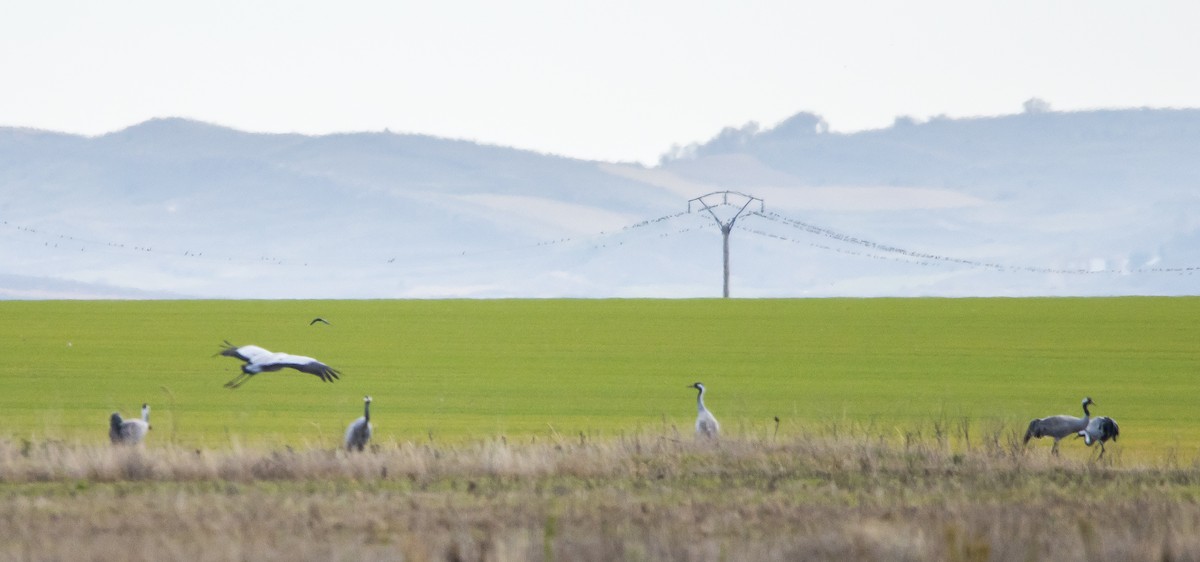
column 257, row 360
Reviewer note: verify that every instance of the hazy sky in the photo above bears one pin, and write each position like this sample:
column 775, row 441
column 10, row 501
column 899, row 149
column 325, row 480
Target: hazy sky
column 612, row 80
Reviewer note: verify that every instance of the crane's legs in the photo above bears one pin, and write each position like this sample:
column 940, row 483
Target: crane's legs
column 238, row 380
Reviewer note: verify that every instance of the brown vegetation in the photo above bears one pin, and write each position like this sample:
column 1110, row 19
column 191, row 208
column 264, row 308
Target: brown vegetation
column 834, row 496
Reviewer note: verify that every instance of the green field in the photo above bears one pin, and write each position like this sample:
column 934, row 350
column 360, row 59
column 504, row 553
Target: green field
column 461, row 370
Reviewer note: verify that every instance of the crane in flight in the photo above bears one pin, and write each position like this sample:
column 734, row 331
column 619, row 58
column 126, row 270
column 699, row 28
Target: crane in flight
column 258, row 360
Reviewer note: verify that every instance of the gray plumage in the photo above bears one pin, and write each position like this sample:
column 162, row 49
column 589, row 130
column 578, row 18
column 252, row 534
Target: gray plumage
column 1059, row 426
column 1099, row 430
column 129, row 432
column 706, row 423
column 359, row 431
column 258, row 360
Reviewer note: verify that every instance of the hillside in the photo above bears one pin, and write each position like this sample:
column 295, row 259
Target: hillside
column 1088, row 203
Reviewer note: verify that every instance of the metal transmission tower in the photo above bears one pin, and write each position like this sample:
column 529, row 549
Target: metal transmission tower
column 721, row 199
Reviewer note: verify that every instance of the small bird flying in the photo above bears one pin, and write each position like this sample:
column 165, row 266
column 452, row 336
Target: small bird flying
column 359, row 431
column 706, row 424
column 258, row 360
column 1059, row 426
column 321, row 320
column 128, row 432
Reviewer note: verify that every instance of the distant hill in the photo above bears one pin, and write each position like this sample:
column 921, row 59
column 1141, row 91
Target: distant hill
column 1097, row 151
column 1085, row 203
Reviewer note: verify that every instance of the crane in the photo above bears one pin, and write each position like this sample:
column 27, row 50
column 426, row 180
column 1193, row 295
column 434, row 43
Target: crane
column 359, row 431
column 258, row 360
column 1100, row 429
column 1059, row 426
column 129, row 432
column 706, row 423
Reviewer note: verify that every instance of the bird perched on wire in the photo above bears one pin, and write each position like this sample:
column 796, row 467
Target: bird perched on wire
column 129, row 432
column 1059, row 426
column 1100, row 429
column 359, row 431
column 258, row 360
column 706, row 424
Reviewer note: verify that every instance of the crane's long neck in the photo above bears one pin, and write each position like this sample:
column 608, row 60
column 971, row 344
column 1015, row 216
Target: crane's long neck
column 146, row 413
column 700, row 401
column 367, row 410
column 1086, row 413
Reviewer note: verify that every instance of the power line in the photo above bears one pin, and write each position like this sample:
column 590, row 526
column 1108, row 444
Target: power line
column 928, row 258
column 635, row 233
column 59, row 242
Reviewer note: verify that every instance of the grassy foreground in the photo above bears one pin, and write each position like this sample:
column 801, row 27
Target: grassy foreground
column 640, row 497
column 462, row 371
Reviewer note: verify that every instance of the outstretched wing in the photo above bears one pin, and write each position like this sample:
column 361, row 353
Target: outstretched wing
column 305, row 365
column 247, row 353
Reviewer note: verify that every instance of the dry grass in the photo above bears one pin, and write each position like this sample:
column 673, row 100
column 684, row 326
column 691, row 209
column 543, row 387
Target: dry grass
column 831, row 495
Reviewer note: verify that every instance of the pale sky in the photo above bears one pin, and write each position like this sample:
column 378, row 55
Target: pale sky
column 613, row 80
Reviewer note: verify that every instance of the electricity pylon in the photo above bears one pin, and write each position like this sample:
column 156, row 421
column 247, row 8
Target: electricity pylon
column 726, row 226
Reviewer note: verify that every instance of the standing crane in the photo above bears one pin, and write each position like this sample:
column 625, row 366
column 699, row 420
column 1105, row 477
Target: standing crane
column 1100, row 429
column 706, row 424
column 129, row 432
column 1059, row 426
column 359, row 431
column 259, row 360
